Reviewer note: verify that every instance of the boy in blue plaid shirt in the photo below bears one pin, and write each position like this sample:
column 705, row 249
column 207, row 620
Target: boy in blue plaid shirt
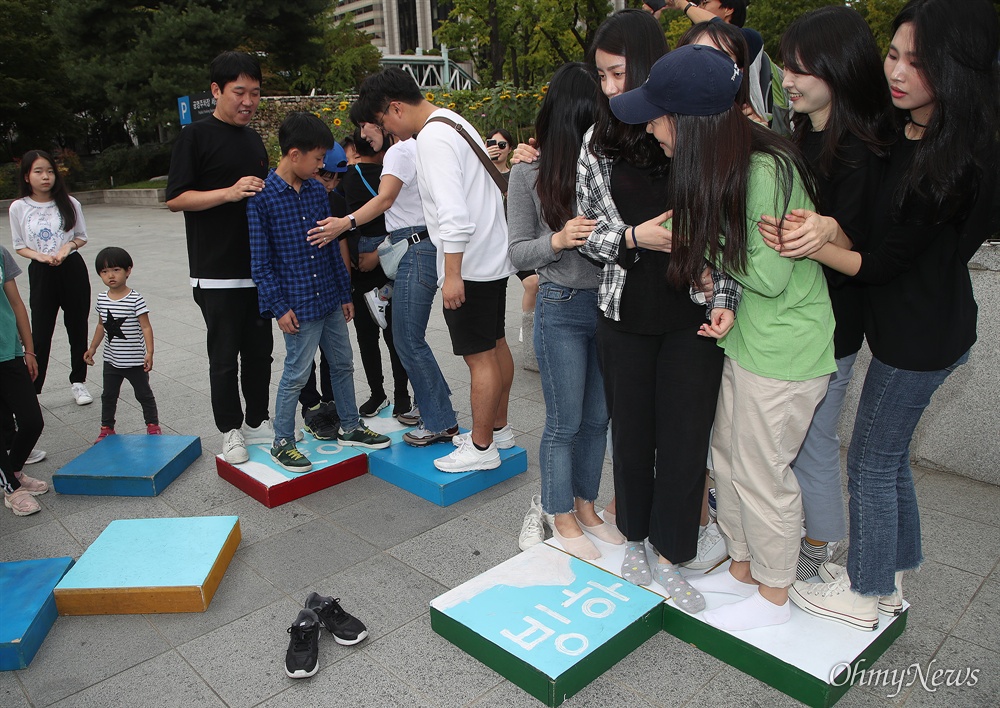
column 305, row 287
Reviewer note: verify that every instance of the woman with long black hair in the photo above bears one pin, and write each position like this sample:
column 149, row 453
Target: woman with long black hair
column 545, row 235
column 936, row 205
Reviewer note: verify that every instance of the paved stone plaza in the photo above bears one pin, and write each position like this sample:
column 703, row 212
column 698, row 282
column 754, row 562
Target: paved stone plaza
column 386, row 553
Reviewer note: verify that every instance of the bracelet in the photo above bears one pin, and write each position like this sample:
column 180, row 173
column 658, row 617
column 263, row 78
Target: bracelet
column 688, row 7
column 634, row 242
column 27, row 353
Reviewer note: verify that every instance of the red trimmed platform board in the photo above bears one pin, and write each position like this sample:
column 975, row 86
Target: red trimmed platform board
column 29, row 607
column 128, row 465
column 810, row 659
column 547, row 621
column 150, row 566
column 263, row 479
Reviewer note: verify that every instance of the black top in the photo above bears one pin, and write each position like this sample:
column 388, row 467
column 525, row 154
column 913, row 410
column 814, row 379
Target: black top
column 920, row 314
column 845, row 194
column 357, row 195
column 208, row 155
column 649, row 304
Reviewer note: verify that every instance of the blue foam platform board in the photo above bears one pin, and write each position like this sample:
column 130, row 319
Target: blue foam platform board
column 29, row 607
column 547, row 621
column 412, row 468
column 128, row 465
column 139, row 566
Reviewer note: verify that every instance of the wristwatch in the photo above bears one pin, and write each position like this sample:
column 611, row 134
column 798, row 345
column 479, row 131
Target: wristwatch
column 354, row 222
column 688, row 7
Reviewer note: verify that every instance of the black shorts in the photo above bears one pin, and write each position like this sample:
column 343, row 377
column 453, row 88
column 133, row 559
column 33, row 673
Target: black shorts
column 477, row 325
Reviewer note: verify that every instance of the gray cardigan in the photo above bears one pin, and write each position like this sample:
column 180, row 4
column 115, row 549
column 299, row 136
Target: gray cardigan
column 530, row 237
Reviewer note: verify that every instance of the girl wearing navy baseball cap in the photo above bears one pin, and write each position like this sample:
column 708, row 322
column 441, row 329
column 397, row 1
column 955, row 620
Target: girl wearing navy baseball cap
column 726, row 172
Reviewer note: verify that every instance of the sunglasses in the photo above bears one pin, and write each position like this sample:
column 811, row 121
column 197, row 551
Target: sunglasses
column 502, row 144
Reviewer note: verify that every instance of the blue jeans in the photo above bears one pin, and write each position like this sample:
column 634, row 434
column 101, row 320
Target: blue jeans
column 817, row 466
column 412, row 297
column 576, row 416
column 330, row 333
column 885, row 520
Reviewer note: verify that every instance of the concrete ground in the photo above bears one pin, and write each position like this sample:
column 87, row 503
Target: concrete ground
column 387, row 553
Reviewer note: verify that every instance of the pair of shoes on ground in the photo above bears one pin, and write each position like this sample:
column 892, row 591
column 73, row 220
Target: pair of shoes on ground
column 289, row 457
column 235, row 441
column 22, row 500
column 836, row 600
column 377, row 301
column 107, row 430
column 322, row 421
column 406, row 416
column 503, row 438
column 302, row 657
column 581, row 546
column 80, row 394
column 467, row 457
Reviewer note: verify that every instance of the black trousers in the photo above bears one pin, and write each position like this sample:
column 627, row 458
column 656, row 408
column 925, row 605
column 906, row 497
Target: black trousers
column 310, row 395
column 17, row 397
column 371, row 355
column 65, row 286
column 662, row 392
column 113, row 378
column 240, row 342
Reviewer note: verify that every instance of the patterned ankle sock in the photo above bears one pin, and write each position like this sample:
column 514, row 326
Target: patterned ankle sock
column 635, row 567
column 810, row 559
column 681, row 591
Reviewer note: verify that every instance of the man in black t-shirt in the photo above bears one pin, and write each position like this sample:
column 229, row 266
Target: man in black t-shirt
column 217, row 164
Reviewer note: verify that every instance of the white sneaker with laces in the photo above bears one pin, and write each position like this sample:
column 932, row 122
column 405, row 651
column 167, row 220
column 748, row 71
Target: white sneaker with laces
column 34, row 457
column 263, row 434
column 533, row 529
column 376, row 307
column 234, row 447
column 836, row 601
column 711, row 549
column 468, row 457
column 503, row 438
column 81, row 395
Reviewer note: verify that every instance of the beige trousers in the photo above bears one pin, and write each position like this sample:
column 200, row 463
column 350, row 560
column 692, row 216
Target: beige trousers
column 760, row 424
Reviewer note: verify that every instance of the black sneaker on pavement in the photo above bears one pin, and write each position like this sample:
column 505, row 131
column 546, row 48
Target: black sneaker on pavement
column 346, row 628
column 302, row 657
column 371, row 407
column 318, row 422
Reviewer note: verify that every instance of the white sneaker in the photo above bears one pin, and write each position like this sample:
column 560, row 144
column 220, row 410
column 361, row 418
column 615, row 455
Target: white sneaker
column 836, row 601
column 711, row 549
column 377, row 306
column 263, row 434
column 532, row 530
column 468, row 457
column 35, row 456
column 503, row 438
column 234, row 447
column 81, row 395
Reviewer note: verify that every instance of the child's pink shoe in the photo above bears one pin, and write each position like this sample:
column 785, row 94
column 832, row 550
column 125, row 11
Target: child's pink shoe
column 105, row 432
column 153, row 429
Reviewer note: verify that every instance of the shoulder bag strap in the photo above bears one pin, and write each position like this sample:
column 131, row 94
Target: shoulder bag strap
column 483, row 157
column 358, row 168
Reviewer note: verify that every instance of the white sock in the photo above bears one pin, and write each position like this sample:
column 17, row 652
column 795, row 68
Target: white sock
column 751, row 613
column 722, row 582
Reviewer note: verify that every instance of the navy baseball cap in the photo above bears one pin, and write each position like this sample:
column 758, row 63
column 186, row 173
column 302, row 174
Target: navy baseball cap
column 693, row 80
column 335, row 160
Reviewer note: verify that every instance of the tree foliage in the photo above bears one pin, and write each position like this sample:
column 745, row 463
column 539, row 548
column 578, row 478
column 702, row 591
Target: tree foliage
column 522, row 41
column 347, row 56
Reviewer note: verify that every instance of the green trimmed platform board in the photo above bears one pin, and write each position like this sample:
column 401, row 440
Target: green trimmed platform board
column 548, row 622
column 146, row 566
column 29, row 607
column 808, row 658
column 128, row 465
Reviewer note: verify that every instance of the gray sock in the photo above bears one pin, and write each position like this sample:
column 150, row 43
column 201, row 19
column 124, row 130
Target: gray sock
column 635, row 567
column 681, row 591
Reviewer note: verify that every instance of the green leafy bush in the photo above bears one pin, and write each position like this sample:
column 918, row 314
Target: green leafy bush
column 125, row 163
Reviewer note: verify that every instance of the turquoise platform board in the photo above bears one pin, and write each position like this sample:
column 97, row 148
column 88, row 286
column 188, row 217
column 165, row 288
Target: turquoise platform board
column 128, row 465
column 808, row 658
column 548, row 622
column 412, row 468
column 29, row 608
column 151, row 566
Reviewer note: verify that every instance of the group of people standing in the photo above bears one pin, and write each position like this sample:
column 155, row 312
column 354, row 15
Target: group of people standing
column 860, row 226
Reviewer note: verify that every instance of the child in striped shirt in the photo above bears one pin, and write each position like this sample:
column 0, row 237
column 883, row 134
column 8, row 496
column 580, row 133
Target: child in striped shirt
column 128, row 350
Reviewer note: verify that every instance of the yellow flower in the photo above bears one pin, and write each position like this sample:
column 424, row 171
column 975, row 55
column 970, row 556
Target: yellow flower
column 486, row 99
column 451, row 106
column 429, row 96
column 317, row 115
column 545, row 89
column 326, row 109
column 520, row 95
column 343, row 106
column 446, row 95
column 505, row 97
column 337, row 122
